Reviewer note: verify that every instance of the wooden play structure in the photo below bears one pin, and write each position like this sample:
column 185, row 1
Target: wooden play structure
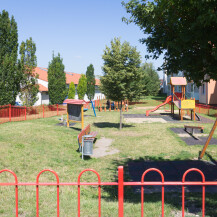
column 75, row 111
column 179, row 100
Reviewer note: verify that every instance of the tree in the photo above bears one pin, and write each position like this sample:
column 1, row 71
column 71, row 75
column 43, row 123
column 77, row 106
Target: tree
column 71, row 93
column 151, row 80
column 82, row 86
column 122, row 77
column 10, row 74
column 183, row 31
column 29, row 86
column 90, row 82
column 56, row 80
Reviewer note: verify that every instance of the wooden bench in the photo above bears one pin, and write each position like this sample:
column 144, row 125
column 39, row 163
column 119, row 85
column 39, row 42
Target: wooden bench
column 85, row 131
column 201, row 128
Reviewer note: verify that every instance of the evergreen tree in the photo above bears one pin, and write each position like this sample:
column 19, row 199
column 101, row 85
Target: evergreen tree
column 90, row 82
column 56, row 80
column 29, row 87
column 151, row 80
column 82, row 87
column 71, row 93
column 122, row 74
column 10, row 75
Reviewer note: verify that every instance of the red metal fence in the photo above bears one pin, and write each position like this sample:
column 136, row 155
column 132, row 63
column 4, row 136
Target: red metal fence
column 120, row 183
column 10, row 113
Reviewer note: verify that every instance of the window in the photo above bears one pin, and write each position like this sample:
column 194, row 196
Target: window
column 203, row 89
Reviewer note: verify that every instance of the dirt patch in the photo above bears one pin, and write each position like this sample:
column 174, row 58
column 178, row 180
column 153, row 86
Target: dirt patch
column 102, row 148
column 144, row 120
column 147, row 107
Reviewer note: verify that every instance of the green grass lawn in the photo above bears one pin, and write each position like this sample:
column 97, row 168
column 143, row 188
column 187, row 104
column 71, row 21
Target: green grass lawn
column 31, row 146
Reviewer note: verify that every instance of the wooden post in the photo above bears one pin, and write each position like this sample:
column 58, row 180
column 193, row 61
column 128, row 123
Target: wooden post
column 184, row 91
column 82, row 117
column 181, row 114
column 208, row 139
column 194, row 114
column 110, row 105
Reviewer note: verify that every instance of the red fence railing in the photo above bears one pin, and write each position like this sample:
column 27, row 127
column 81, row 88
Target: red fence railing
column 10, row 113
column 121, row 184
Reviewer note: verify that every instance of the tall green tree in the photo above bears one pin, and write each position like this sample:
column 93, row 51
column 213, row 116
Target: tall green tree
column 122, row 77
column 150, row 79
column 71, row 93
column 10, row 73
column 29, row 87
column 82, row 87
column 56, row 80
column 90, row 82
column 184, row 32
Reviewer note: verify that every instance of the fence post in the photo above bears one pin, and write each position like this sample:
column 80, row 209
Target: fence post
column 120, row 191
column 10, row 112
column 57, row 110
column 25, row 113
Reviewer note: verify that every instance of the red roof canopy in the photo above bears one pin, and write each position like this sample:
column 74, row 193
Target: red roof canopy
column 75, row 101
column 178, row 81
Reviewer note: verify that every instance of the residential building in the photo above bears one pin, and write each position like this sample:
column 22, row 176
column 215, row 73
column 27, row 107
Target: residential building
column 43, row 97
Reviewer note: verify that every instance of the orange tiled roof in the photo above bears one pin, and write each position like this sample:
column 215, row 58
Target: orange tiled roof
column 42, row 88
column 70, row 77
column 178, row 81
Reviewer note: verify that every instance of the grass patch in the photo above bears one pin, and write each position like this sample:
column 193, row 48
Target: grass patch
column 31, row 146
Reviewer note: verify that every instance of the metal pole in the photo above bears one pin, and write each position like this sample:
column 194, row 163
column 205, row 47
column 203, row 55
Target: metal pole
column 120, row 191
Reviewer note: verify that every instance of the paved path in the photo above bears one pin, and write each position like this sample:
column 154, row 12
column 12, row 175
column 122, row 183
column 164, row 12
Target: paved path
column 103, row 148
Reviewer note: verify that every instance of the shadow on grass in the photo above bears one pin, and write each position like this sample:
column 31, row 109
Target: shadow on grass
column 110, row 125
column 75, row 128
column 133, row 170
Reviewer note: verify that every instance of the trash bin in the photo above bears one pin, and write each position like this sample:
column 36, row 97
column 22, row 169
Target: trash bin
column 87, row 145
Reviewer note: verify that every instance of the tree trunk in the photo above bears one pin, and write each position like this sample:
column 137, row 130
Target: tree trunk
column 121, row 116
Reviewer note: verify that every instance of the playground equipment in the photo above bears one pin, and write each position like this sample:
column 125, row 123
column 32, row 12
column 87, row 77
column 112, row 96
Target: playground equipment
column 168, row 99
column 75, row 112
column 108, row 105
column 208, row 140
column 178, row 99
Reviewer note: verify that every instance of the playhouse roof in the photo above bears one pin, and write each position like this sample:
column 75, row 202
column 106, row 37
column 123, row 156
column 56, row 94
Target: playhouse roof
column 75, row 101
column 178, row 81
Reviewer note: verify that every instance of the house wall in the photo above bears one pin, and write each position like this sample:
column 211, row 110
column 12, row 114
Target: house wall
column 203, row 93
column 212, row 92
column 38, row 102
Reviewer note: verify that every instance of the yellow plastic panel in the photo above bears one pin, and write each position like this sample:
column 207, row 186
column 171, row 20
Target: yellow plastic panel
column 188, row 104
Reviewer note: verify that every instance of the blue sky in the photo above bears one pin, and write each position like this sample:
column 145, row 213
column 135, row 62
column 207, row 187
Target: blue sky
column 78, row 30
